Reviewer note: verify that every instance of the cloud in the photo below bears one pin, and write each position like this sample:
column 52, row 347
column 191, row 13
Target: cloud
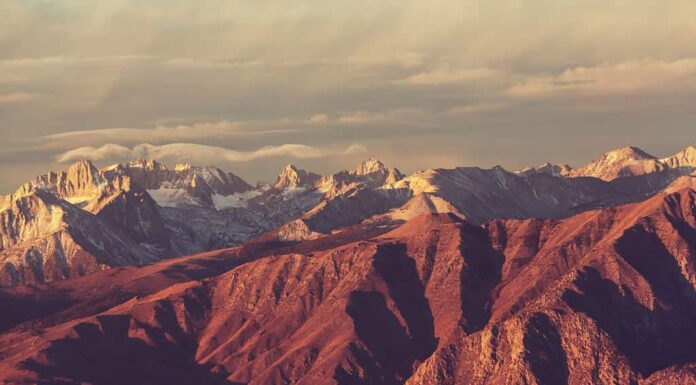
column 606, row 79
column 163, row 133
column 319, row 118
column 16, row 97
column 368, row 117
column 199, row 152
column 447, row 74
column 476, row 108
column 173, row 73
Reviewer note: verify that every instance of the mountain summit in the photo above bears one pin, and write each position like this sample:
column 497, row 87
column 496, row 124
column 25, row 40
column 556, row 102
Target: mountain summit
column 292, row 177
column 624, row 161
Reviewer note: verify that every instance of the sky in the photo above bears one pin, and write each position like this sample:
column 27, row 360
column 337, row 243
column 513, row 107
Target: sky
column 253, row 85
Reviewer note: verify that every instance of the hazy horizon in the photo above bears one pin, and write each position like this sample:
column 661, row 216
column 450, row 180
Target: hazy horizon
column 252, row 86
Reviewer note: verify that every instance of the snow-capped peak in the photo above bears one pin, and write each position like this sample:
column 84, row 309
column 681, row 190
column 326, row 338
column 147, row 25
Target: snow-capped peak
column 369, row 166
column 626, row 154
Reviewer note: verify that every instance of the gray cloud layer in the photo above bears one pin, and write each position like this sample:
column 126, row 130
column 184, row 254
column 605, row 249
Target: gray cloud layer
column 421, row 84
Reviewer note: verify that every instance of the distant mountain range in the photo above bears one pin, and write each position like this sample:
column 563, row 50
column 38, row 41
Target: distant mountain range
column 83, row 220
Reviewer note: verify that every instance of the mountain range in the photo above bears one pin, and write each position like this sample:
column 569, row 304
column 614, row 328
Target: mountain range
column 544, row 276
column 605, row 296
column 87, row 219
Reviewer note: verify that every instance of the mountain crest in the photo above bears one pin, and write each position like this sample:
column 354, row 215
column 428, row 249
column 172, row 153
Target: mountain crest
column 621, row 162
column 684, row 158
column 368, row 166
column 84, row 173
column 291, row 177
column 626, row 154
column 373, row 166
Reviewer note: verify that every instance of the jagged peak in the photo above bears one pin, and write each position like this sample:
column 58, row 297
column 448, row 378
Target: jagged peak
column 83, row 172
column 291, row 176
column 82, row 165
column 372, row 165
column 369, row 166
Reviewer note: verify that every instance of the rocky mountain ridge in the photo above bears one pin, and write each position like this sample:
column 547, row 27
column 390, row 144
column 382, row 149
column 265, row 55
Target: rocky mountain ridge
column 624, row 162
column 155, row 212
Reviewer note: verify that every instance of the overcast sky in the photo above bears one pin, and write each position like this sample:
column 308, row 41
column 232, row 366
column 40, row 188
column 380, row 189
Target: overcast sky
column 253, row 85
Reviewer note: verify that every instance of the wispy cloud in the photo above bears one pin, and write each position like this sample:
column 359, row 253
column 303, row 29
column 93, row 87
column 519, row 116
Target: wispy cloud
column 476, row 108
column 16, row 97
column 216, row 129
column 449, row 74
column 386, row 116
column 607, row 79
column 199, row 152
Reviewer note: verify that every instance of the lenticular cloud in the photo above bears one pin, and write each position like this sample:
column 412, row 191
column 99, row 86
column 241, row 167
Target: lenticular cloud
column 179, row 151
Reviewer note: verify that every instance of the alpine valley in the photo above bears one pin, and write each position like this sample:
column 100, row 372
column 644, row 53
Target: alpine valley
column 140, row 273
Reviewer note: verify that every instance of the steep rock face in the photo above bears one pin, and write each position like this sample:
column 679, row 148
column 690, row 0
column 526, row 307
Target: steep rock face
column 603, row 297
column 136, row 215
column 45, row 238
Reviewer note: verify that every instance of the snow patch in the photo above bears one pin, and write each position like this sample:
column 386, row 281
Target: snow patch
column 292, row 192
column 210, row 174
column 234, row 200
column 171, row 197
